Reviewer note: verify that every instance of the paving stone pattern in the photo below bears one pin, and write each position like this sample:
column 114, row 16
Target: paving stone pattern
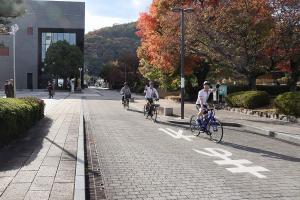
column 139, row 162
column 42, row 165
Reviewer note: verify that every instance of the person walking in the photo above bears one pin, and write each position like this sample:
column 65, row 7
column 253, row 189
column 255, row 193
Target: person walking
column 6, row 89
column 50, row 90
column 10, row 89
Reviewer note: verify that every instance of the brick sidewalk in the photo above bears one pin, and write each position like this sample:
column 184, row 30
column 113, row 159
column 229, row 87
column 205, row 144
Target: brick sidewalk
column 42, row 165
column 285, row 129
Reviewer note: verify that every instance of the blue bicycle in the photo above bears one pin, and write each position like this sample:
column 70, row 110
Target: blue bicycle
column 209, row 125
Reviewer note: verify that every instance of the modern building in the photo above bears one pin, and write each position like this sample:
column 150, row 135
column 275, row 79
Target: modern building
column 43, row 23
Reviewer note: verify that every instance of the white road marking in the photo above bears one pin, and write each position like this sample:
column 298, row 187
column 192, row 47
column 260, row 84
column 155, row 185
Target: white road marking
column 239, row 164
column 176, row 135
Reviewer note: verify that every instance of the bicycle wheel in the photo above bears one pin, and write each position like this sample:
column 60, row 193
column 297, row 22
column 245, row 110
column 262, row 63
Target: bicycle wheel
column 154, row 115
column 127, row 104
column 193, row 123
column 145, row 110
column 215, row 130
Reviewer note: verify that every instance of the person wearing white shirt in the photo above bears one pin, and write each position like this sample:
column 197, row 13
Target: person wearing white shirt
column 151, row 94
column 203, row 96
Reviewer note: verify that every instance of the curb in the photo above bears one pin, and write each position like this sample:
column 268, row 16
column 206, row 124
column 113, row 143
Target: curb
column 272, row 134
column 179, row 123
column 79, row 192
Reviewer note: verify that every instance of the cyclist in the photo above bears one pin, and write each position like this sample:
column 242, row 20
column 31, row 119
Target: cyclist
column 201, row 103
column 151, row 94
column 125, row 92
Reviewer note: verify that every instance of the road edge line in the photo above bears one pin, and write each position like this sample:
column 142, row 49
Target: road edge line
column 80, row 188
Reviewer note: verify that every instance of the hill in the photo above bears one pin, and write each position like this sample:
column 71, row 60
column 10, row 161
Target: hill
column 110, row 44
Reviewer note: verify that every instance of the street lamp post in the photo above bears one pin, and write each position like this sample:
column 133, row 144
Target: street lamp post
column 14, row 30
column 80, row 71
column 182, row 12
column 125, row 73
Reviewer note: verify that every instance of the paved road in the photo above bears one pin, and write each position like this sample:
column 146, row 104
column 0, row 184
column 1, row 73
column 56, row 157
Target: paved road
column 143, row 160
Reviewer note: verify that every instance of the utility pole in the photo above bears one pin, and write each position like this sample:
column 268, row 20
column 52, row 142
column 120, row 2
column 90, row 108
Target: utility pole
column 182, row 12
column 14, row 30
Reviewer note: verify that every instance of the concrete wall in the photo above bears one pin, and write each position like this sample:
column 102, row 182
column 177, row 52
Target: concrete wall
column 39, row 14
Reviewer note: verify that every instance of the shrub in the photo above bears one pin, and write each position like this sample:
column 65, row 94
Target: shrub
column 237, row 88
column 37, row 104
column 273, row 90
column 288, row 103
column 17, row 116
column 248, row 99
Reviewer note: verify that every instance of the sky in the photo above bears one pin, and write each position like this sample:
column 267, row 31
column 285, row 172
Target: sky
column 103, row 13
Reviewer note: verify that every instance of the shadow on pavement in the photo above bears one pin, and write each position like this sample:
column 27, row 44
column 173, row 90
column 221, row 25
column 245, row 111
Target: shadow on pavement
column 264, row 153
column 74, row 157
column 24, row 150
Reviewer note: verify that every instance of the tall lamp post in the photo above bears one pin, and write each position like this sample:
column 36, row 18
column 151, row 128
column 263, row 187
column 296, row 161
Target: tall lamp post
column 80, row 72
column 13, row 30
column 182, row 12
column 125, row 73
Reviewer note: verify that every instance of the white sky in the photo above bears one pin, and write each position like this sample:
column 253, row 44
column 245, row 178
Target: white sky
column 103, row 13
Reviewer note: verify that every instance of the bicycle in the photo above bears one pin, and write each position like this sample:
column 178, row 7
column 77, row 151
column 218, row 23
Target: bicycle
column 154, row 111
column 209, row 125
column 126, row 103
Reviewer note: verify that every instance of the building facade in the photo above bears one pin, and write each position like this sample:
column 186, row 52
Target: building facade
column 44, row 22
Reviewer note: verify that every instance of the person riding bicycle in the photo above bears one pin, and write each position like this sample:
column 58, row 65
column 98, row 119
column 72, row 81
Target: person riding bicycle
column 125, row 92
column 151, row 94
column 201, row 103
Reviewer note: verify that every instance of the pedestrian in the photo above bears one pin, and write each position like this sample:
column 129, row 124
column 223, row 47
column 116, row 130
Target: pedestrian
column 6, row 89
column 50, row 90
column 11, row 93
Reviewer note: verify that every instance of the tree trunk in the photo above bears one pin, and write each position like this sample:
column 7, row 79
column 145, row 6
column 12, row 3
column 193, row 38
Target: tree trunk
column 294, row 76
column 201, row 73
column 65, row 85
column 252, row 82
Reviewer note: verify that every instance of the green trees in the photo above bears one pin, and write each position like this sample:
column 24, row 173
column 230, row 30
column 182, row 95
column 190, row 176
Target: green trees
column 111, row 53
column 10, row 9
column 63, row 60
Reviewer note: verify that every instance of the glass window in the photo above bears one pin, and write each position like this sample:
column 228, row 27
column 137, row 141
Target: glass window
column 60, row 36
column 43, row 38
column 48, row 41
column 67, row 37
column 54, row 37
column 48, row 38
column 43, row 53
column 73, row 38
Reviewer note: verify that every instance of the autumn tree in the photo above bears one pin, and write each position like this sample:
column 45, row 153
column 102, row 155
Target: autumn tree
column 235, row 34
column 159, row 50
column 286, row 38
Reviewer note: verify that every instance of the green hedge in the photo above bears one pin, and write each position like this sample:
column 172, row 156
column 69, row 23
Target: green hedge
column 248, row 99
column 273, row 90
column 288, row 103
column 17, row 116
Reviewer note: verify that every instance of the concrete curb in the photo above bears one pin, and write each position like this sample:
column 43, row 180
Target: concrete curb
column 177, row 122
column 79, row 192
column 272, row 134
